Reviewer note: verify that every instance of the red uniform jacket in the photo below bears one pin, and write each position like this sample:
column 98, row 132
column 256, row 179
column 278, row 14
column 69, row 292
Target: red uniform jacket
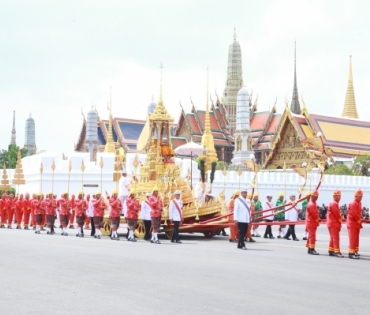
column 48, row 205
column 38, row 207
column 19, row 205
column 133, row 207
column 99, row 206
column 3, row 204
column 312, row 215
column 33, row 205
column 80, row 207
column 333, row 218
column 63, row 206
column 27, row 205
column 157, row 206
column 11, row 204
column 354, row 214
column 116, row 207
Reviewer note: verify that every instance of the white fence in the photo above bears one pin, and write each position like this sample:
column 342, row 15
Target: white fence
column 267, row 181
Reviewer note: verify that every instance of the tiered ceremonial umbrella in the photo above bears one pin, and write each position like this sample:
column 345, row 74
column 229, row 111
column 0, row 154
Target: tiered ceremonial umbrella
column 190, row 149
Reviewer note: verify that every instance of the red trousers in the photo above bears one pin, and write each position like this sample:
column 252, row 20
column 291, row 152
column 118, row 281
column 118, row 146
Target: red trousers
column 72, row 218
column 233, row 229
column 33, row 218
column 18, row 217
column 10, row 215
column 87, row 222
column 249, row 234
column 3, row 216
column 354, row 240
column 26, row 217
column 334, row 239
column 311, row 240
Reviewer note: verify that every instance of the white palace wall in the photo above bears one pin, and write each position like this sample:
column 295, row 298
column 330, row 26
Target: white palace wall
column 267, row 181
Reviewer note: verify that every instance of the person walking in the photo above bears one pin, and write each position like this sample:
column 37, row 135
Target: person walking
column 292, row 216
column 354, row 225
column 233, row 237
column 280, row 216
column 334, row 224
column 175, row 214
column 312, row 222
column 269, row 216
column 145, row 216
column 242, row 216
column 257, row 215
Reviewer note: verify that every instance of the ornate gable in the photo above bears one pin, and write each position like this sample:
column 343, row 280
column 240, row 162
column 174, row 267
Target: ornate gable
column 286, row 146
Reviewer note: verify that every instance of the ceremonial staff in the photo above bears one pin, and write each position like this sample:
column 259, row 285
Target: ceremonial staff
column 240, row 172
column 224, row 173
column 82, row 175
column 284, row 169
column 52, row 181
column 69, row 173
column 101, row 164
column 41, row 171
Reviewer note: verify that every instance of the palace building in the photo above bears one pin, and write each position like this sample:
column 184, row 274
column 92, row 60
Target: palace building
column 274, row 137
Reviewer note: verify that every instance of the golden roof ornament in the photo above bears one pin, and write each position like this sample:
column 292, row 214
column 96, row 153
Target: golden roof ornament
column 350, row 109
column 208, row 144
column 109, row 146
column 4, row 181
column 160, row 112
column 18, row 178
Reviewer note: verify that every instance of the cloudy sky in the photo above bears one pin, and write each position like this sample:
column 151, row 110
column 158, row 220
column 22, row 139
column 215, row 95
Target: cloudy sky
column 57, row 57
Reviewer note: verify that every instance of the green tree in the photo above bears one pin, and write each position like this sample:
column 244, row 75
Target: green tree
column 339, row 169
column 9, row 157
column 361, row 165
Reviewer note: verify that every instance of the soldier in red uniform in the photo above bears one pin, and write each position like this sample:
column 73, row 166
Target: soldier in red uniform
column 10, row 210
column 334, row 224
column 3, row 209
column 354, row 224
column 33, row 219
column 19, row 210
column 156, row 204
column 312, row 222
column 26, row 210
column 80, row 208
column 87, row 218
column 72, row 203
column 133, row 207
column 115, row 214
column 99, row 207
column 49, row 206
column 64, row 210
column 39, row 212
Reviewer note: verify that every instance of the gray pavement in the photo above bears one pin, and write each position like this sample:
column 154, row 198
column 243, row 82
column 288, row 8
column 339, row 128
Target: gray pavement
column 43, row 274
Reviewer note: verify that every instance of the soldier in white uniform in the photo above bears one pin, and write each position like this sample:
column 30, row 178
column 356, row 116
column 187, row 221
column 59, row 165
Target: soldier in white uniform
column 124, row 186
column 145, row 216
column 291, row 215
column 242, row 215
column 268, row 205
column 175, row 212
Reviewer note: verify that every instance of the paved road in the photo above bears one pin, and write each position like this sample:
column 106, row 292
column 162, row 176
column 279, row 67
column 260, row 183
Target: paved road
column 42, row 274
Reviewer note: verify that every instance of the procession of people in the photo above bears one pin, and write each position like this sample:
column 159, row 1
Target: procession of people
column 246, row 213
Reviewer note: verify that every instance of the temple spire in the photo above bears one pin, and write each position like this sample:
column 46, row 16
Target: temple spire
column 208, row 144
column 109, row 146
column 350, row 109
column 295, row 106
column 234, row 33
column 13, row 138
column 160, row 101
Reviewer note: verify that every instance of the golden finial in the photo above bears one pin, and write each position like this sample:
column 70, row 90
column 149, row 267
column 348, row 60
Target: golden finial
column 109, row 146
column 350, row 109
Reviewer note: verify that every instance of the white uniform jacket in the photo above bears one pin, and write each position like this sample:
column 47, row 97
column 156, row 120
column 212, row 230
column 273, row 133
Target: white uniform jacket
column 268, row 205
column 242, row 210
column 292, row 214
column 173, row 211
column 145, row 211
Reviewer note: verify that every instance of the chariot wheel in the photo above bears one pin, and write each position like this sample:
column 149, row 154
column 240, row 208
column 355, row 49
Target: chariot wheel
column 106, row 229
column 209, row 234
column 169, row 234
column 140, row 230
